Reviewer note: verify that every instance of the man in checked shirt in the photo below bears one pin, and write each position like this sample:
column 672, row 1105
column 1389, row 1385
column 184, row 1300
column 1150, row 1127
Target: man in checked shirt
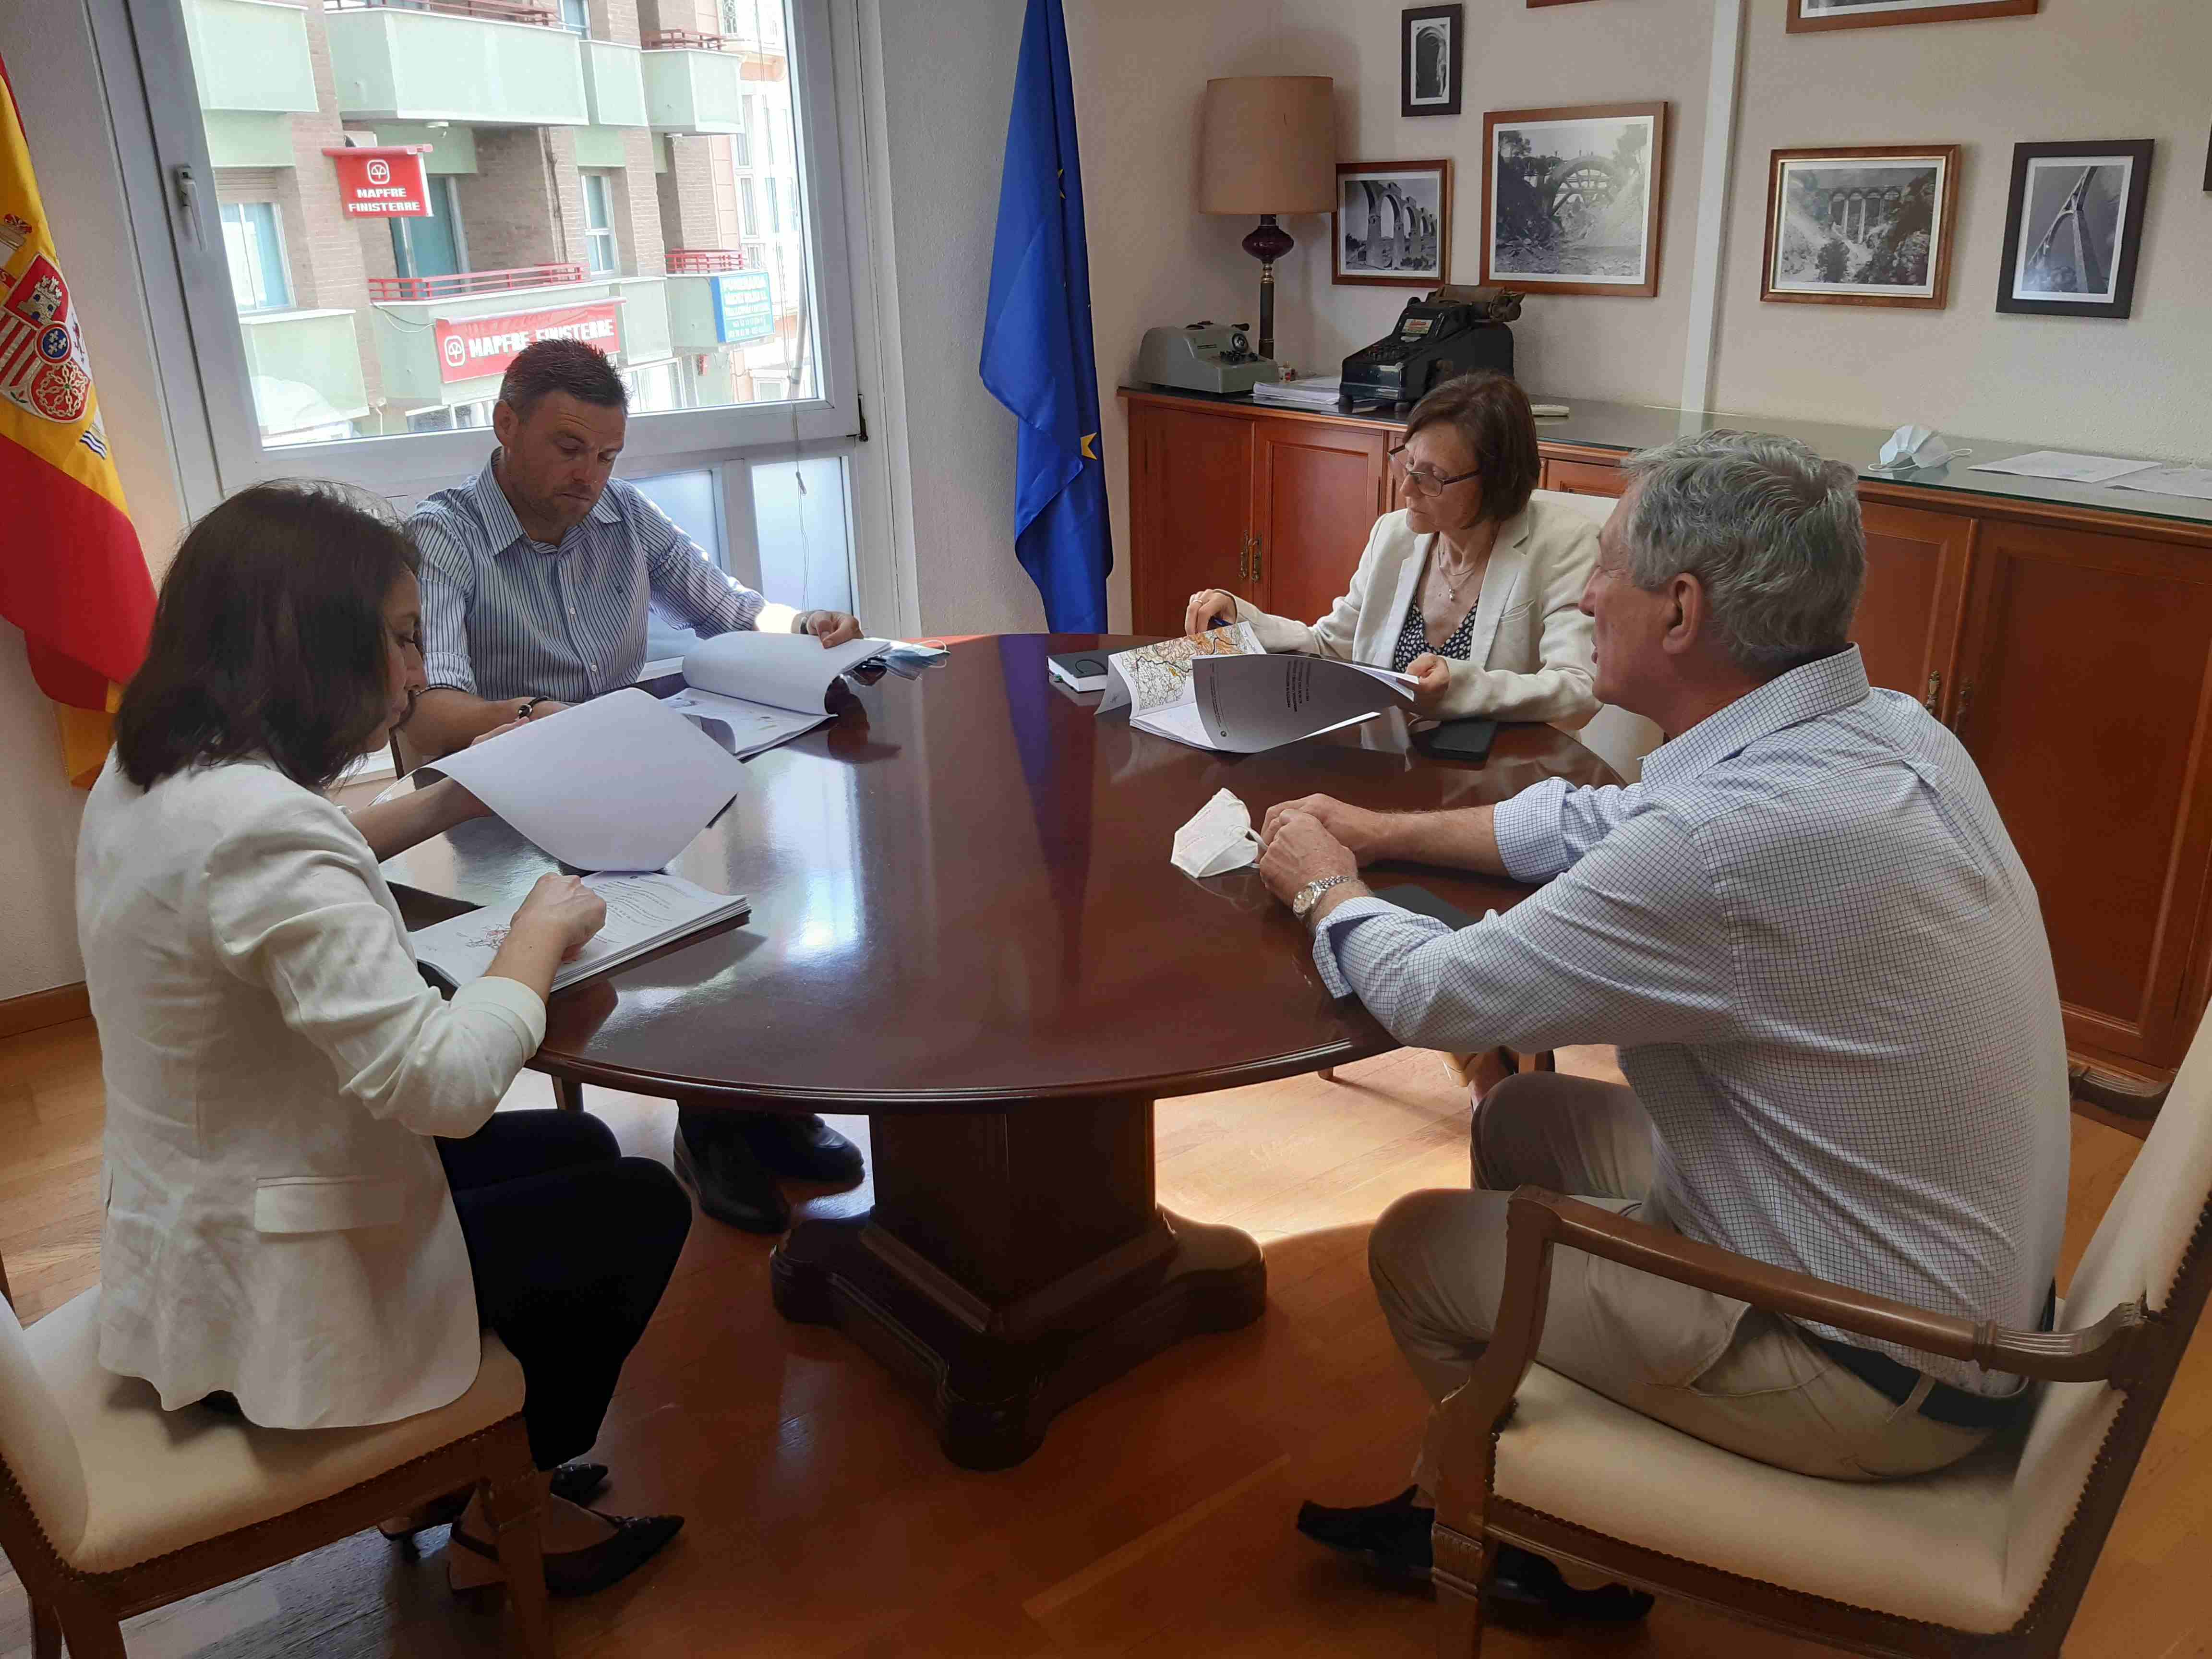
column 1824, row 965
column 537, row 575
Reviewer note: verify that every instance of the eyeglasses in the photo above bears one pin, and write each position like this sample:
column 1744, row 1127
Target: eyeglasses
column 1420, row 479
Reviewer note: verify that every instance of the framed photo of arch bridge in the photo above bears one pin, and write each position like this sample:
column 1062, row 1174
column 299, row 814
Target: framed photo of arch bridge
column 1571, row 198
column 1866, row 225
column 1392, row 224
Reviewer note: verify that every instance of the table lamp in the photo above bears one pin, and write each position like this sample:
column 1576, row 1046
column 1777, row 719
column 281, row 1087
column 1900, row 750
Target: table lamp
column 1267, row 145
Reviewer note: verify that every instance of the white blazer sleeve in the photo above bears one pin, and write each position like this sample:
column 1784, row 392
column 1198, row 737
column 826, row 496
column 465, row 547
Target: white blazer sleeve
column 291, row 909
column 1560, row 688
column 1332, row 635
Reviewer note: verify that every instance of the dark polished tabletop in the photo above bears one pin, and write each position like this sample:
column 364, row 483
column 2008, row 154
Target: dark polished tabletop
column 962, row 899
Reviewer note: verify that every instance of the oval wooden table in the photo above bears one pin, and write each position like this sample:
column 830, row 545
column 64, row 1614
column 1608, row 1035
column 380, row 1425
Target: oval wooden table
column 965, row 924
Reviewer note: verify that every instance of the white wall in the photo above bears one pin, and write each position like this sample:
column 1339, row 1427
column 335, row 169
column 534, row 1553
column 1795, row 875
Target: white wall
column 49, row 52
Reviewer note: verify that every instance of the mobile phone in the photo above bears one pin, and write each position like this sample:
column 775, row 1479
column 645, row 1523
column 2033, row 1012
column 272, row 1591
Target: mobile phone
column 1467, row 740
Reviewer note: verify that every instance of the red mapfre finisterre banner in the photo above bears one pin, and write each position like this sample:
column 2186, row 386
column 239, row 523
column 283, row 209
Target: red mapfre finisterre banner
column 72, row 576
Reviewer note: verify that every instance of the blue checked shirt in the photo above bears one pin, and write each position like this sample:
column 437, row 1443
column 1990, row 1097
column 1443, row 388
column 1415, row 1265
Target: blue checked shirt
column 506, row 616
column 1825, row 969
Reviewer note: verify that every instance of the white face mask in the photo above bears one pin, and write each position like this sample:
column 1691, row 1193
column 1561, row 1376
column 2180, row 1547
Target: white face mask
column 1916, row 446
column 1218, row 840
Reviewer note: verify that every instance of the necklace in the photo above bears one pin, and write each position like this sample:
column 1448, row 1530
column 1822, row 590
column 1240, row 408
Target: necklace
column 1452, row 584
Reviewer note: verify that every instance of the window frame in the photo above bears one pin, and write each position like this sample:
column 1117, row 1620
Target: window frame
column 282, row 255
column 169, row 185
column 599, row 238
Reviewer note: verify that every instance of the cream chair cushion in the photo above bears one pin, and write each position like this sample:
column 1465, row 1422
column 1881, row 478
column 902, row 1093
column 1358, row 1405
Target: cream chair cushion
column 155, row 1481
column 1616, row 737
column 34, row 1439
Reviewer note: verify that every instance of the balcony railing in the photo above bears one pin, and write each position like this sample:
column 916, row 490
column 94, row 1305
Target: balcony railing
column 471, row 281
column 683, row 40
column 703, row 261
column 493, row 11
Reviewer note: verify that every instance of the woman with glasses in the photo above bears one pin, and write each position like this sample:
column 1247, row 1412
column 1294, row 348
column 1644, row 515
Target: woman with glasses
column 1474, row 588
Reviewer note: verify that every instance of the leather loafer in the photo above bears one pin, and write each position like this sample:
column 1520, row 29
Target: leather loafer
column 802, row 1147
column 1392, row 1537
column 731, row 1185
column 636, row 1538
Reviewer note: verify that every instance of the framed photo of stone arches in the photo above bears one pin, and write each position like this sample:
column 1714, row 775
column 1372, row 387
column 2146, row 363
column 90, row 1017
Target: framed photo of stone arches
column 1811, row 16
column 1866, row 225
column 1571, row 198
column 1392, row 224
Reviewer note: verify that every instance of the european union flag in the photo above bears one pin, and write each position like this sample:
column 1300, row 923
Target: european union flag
column 1037, row 357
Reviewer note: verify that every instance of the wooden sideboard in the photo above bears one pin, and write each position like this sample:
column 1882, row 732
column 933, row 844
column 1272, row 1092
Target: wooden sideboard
column 2070, row 646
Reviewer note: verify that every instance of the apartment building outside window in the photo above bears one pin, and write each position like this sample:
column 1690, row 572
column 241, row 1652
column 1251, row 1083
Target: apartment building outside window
column 254, row 247
column 406, row 187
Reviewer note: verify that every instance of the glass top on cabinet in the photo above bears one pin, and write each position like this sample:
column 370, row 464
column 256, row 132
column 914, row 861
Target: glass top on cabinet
column 1625, row 428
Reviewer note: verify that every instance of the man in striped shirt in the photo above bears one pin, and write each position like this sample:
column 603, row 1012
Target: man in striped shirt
column 537, row 577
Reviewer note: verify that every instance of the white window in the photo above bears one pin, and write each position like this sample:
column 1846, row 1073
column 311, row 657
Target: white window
column 741, row 143
column 253, row 246
column 599, row 252
column 774, row 209
column 575, row 17
column 747, row 218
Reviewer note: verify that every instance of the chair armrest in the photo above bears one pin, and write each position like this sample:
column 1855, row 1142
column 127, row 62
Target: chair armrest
column 2116, row 1349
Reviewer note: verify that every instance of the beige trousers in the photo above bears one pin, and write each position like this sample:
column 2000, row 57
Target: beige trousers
column 1736, row 1377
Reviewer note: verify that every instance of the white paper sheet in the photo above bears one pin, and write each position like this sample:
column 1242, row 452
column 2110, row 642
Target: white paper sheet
column 2069, row 468
column 2194, row 481
column 784, row 671
column 1157, row 676
column 1242, row 705
column 742, row 728
column 618, row 783
column 643, row 912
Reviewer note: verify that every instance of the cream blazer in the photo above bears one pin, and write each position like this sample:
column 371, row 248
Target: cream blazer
column 1530, row 658
column 277, row 1223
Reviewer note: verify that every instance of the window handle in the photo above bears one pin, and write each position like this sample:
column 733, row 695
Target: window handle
column 188, row 200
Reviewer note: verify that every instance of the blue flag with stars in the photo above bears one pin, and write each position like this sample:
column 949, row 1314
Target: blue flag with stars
column 1037, row 355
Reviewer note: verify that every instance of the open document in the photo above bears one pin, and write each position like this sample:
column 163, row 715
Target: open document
column 1221, row 691
column 750, row 691
column 643, row 914
column 618, row 783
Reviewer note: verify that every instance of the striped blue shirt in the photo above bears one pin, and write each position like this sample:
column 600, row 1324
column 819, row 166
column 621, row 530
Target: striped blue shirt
column 1825, row 969
column 507, row 616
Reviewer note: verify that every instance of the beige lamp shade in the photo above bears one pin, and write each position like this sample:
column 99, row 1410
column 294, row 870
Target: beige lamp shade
column 1268, row 144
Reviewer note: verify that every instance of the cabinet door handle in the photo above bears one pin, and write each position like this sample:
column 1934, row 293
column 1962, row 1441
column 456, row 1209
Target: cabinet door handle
column 1934, row 691
column 1244, row 558
column 1966, row 702
column 1258, row 569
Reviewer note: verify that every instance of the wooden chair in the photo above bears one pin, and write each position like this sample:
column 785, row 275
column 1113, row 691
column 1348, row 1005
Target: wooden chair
column 1987, row 1559
column 110, row 1506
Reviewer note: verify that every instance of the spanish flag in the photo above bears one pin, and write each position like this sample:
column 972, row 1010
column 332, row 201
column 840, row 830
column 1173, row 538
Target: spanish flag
column 72, row 576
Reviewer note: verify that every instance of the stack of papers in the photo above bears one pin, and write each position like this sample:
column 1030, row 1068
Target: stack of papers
column 643, row 914
column 750, row 691
column 1317, row 391
column 2194, row 481
column 621, row 782
column 1221, row 691
column 2066, row 468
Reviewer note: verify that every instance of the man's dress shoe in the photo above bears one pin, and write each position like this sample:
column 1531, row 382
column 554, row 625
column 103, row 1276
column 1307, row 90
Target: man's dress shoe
column 732, row 1185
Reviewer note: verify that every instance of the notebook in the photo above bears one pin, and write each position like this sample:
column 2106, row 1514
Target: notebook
column 644, row 912
column 1081, row 671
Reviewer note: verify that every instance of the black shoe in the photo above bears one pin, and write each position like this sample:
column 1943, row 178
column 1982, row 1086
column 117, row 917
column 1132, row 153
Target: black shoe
column 636, row 1540
column 731, row 1184
column 1523, row 1578
column 805, row 1148
column 578, row 1482
column 1392, row 1538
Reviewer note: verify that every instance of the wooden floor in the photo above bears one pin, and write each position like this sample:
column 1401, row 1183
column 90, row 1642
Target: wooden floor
column 1156, row 1519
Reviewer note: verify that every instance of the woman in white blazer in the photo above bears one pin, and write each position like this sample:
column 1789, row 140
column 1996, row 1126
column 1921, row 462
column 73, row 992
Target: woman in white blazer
column 1474, row 588
column 286, row 1237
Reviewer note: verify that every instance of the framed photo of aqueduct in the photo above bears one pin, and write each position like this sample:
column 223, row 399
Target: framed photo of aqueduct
column 1571, row 198
column 1862, row 227
column 1392, row 224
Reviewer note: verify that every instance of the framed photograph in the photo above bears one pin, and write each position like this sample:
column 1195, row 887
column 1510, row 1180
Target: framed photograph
column 1429, row 56
column 1571, row 198
column 2073, row 228
column 1810, row 16
column 1392, row 223
column 1862, row 227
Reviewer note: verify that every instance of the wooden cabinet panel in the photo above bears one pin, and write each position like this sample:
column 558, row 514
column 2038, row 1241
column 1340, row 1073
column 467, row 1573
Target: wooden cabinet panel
column 1316, row 492
column 1907, row 627
column 2084, row 689
column 1191, row 514
column 1584, row 478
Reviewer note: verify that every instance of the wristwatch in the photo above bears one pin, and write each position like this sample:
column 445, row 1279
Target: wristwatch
column 1309, row 894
